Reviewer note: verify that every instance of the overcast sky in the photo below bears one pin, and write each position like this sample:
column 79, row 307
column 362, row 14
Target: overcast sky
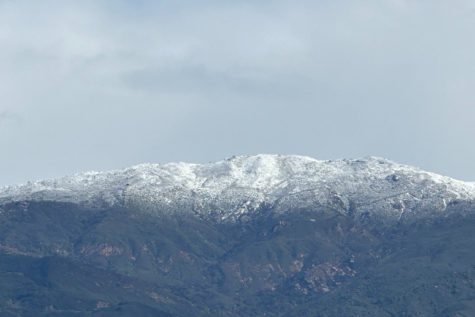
column 100, row 85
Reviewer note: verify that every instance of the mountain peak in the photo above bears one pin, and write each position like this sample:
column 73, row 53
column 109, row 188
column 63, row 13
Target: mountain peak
column 241, row 185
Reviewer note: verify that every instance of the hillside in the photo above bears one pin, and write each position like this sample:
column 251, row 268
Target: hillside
column 249, row 236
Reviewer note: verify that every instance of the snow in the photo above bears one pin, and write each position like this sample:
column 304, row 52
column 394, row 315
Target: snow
column 229, row 189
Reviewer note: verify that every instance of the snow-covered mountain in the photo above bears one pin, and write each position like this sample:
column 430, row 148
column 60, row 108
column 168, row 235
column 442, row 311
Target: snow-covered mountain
column 243, row 185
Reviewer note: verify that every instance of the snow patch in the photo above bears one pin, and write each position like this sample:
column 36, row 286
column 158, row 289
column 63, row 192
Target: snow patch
column 242, row 185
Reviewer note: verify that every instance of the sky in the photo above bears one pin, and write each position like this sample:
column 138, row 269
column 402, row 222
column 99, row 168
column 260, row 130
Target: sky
column 101, row 85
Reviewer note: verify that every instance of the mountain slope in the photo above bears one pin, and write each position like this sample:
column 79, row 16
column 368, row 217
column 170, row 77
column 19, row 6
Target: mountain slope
column 250, row 236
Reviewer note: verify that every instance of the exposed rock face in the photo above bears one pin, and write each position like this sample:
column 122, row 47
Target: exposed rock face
column 241, row 186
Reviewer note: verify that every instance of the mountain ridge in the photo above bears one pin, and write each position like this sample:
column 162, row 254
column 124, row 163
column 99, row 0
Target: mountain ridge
column 237, row 187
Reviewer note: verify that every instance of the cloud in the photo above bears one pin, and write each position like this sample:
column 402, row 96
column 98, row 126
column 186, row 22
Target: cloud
column 115, row 83
column 9, row 117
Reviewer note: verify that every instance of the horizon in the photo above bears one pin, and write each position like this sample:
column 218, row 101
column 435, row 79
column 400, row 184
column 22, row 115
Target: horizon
column 230, row 158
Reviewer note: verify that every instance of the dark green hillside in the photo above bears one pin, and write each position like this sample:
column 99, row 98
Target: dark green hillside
column 58, row 259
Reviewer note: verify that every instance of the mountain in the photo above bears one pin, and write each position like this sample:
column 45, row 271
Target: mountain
column 263, row 235
column 241, row 186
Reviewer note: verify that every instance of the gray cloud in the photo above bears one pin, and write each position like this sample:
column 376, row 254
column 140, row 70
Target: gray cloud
column 103, row 85
column 7, row 117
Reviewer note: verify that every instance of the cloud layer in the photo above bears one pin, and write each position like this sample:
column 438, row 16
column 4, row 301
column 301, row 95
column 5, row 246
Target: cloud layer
column 107, row 84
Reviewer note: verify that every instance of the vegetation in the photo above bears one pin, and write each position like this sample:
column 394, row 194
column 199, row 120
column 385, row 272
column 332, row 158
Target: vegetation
column 57, row 259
